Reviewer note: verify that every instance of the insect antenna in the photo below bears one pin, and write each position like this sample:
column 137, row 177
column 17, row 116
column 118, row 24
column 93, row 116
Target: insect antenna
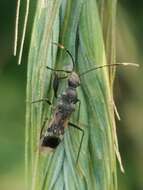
column 67, row 51
column 108, row 65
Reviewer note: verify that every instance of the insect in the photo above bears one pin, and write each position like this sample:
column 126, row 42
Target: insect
column 65, row 106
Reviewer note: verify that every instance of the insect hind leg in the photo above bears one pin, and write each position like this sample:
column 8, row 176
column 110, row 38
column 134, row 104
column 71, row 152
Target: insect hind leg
column 81, row 130
column 78, row 113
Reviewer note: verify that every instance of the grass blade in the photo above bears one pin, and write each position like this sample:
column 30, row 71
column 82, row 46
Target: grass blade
column 78, row 25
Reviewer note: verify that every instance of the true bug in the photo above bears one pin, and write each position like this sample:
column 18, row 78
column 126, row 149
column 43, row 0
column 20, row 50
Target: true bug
column 63, row 110
column 65, row 105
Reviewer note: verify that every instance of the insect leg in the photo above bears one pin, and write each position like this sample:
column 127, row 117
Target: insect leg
column 76, row 127
column 57, row 78
column 78, row 110
column 56, row 83
column 42, row 100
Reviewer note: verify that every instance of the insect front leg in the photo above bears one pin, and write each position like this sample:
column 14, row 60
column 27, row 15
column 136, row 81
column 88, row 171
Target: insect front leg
column 56, row 83
column 57, row 78
column 81, row 130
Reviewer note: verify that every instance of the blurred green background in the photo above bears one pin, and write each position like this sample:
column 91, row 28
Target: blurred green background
column 128, row 96
column 12, row 104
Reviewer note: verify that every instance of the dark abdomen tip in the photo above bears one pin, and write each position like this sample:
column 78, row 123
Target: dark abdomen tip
column 51, row 141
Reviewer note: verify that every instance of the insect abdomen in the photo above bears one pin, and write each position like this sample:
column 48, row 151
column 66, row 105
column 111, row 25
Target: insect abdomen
column 51, row 141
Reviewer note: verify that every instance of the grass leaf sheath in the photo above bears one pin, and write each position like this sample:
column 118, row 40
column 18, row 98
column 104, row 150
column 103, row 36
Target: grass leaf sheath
column 80, row 27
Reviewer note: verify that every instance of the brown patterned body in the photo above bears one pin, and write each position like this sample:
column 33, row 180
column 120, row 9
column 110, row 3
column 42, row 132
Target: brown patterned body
column 65, row 107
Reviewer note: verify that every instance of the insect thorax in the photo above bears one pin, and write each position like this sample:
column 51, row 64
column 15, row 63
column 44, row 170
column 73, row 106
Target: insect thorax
column 74, row 80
